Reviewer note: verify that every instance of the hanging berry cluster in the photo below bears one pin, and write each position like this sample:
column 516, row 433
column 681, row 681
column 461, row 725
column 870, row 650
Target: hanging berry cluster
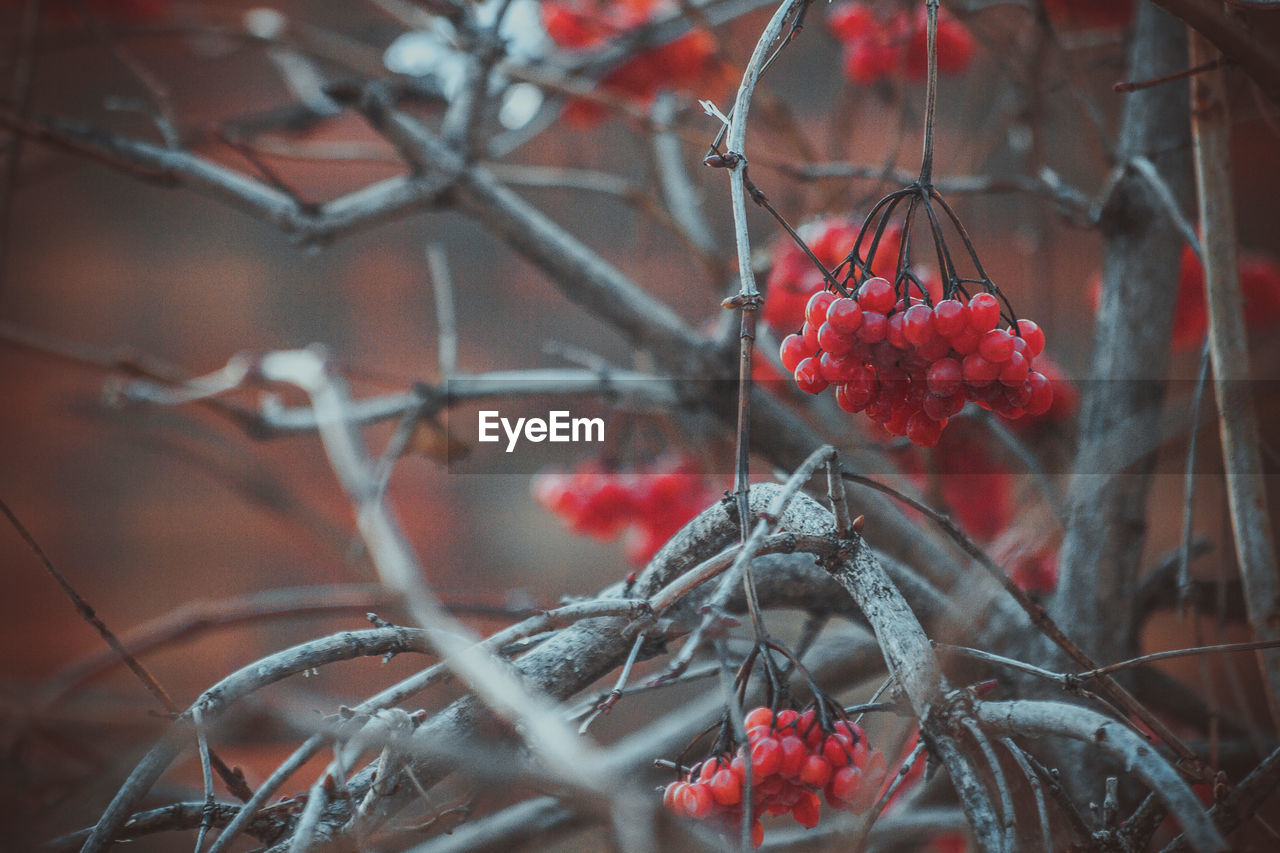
column 793, row 278
column 879, row 45
column 911, row 366
column 791, row 758
column 579, row 25
column 646, row 504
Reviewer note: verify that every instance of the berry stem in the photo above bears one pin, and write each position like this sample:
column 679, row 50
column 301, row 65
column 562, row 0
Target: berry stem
column 931, row 93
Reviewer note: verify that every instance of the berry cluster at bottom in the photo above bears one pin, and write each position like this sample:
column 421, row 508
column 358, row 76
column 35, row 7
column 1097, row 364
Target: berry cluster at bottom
column 911, row 366
column 790, row 759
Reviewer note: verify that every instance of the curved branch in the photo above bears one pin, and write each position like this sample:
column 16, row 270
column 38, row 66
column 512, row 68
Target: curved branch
column 1038, row 719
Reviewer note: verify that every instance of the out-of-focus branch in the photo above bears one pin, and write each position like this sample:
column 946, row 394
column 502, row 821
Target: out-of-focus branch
column 1107, row 505
column 1229, row 347
column 1039, row 719
column 1238, row 42
column 362, row 208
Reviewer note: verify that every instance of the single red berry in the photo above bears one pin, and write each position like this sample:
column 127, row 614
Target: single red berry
column 996, row 346
column 978, row 372
column 919, row 326
column 809, row 333
column 696, row 800
column 845, row 315
column 854, row 396
column 785, row 718
column 944, row 377
column 834, row 341
column 845, row 783
column 941, row 408
column 726, row 788
column 794, row 753
column 950, row 317
column 807, row 809
column 757, row 834
column 815, row 313
column 816, row 771
column 793, row 351
column 671, row 797
column 1041, row 394
column 1033, row 335
column 876, row 294
column 837, row 750
column 874, row 326
column 984, row 312
column 766, row 757
column 923, row 430
column 895, row 330
column 838, row 369
column 898, row 418
column 809, row 376
column 1014, row 371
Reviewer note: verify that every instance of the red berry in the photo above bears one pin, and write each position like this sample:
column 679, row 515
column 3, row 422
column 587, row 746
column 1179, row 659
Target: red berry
column 977, row 371
column 874, row 326
column 833, row 341
column 793, row 351
column 950, row 317
column 696, row 800
column 809, row 376
column 876, row 294
column 944, row 377
column 845, row 315
column 924, row 430
column 1033, row 335
column 810, row 335
column 766, row 757
column 984, row 312
column 838, row 370
column 671, row 797
column 941, row 408
column 852, row 401
column 996, row 346
column 895, row 330
column 816, row 771
column 919, row 324
column 726, row 788
column 845, row 783
column 807, row 809
column 837, row 750
column 1041, row 394
column 1014, row 371
column 794, row 753
column 784, row 718
column 898, row 418
column 815, row 313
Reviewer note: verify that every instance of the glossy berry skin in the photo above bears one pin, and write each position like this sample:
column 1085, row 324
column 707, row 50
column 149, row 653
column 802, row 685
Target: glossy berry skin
column 845, row 315
column 984, row 312
column 876, row 294
column 792, row 351
column 808, row 375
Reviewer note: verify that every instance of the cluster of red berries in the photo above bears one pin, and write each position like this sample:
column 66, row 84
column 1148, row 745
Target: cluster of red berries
column 793, row 278
column 683, row 63
column 790, row 760
column 911, row 366
column 878, row 45
column 647, row 504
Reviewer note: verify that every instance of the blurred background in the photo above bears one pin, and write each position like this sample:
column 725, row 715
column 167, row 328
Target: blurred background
column 146, row 510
